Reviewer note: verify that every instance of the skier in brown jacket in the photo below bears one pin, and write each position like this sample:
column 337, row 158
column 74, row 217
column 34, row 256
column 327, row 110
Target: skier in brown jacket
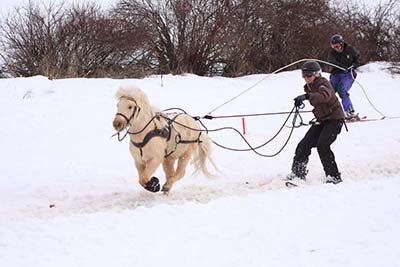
column 329, row 121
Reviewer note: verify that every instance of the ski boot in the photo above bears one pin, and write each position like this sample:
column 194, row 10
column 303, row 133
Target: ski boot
column 333, row 179
column 351, row 116
column 291, row 176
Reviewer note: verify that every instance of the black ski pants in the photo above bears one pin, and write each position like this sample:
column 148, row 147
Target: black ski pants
column 320, row 136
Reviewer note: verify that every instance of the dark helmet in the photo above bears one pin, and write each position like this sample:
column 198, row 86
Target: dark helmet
column 311, row 66
column 337, row 39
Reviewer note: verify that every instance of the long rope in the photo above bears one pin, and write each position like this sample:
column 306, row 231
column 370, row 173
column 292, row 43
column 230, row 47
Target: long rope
column 210, row 117
column 366, row 96
column 285, row 67
column 257, row 83
column 296, row 111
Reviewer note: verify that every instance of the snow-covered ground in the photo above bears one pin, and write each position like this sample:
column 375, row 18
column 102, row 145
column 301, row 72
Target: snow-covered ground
column 69, row 194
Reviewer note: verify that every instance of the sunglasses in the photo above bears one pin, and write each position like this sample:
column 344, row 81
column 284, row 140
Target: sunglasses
column 307, row 74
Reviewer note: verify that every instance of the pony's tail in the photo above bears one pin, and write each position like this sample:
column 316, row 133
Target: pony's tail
column 203, row 154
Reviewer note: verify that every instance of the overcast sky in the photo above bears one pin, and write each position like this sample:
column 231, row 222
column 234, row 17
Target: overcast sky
column 8, row 5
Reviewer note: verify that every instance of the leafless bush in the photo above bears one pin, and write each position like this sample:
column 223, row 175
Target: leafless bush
column 187, row 35
column 77, row 42
column 30, row 40
column 205, row 37
column 273, row 33
column 372, row 31
column 395, row 38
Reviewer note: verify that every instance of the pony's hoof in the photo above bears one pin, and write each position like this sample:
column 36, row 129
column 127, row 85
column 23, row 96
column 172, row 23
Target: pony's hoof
column 165, row 190
column 153, row 185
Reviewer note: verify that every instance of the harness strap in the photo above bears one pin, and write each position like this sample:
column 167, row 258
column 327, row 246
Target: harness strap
column 164, row 133
column 179, row 140
column 345, row 125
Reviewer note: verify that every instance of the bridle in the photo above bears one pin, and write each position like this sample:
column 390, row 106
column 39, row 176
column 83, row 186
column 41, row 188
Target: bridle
column 136, row 109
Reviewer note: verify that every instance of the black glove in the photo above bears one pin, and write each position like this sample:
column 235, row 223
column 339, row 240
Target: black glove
column 352, row 69
column 298, row 101
column 354, row 73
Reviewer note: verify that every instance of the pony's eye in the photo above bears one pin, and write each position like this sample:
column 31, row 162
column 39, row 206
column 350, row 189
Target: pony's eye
column 130, row 107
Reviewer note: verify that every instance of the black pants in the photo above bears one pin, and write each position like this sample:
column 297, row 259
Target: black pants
column 320, row 136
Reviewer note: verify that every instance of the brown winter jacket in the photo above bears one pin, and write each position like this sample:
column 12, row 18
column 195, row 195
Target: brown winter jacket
column 324, row 100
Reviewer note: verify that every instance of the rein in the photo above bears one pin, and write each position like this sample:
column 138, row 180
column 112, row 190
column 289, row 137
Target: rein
column 295, row 112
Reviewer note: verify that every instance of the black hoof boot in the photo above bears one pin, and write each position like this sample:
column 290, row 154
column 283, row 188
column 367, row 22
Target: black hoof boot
column 153, row 185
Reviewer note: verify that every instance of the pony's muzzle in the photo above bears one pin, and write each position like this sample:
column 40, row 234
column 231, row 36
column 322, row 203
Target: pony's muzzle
column 118, row 124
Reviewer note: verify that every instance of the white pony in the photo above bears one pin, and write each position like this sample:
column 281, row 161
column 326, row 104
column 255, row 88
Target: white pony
column 157, row 138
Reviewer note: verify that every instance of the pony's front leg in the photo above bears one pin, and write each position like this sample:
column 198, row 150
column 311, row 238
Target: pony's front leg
column 153, row 184
column 139, row 167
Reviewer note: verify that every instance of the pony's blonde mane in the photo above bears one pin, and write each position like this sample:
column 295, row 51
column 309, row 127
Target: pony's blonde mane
column 135, row 93
column 138, row 95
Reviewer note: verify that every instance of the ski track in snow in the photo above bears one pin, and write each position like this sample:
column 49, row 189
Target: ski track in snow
column 128, row 198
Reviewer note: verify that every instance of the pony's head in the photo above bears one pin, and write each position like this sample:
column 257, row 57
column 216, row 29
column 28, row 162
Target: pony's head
column 130, row 102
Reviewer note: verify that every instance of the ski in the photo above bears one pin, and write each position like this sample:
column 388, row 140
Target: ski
column 364, row 119
column 361, row 119
column 290, row 184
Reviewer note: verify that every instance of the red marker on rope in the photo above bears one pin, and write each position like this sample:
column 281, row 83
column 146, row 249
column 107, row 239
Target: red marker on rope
column 243, row 126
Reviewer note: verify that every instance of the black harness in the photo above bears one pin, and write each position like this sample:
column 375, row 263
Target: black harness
column 165, row 133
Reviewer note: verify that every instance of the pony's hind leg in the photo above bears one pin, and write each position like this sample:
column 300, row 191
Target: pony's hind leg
column 169, row 171
column 168, row 166
column 179, row 173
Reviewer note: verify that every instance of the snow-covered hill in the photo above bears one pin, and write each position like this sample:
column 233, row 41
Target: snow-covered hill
column 56, row 150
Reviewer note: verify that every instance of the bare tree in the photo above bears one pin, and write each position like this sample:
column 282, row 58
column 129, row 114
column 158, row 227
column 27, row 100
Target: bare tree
column 204, row 37
column 371, row 31
column 30, row 38
column 79, row 42
column 98, row 44
column 187, row 34
column 396, row 38
column 272, row 33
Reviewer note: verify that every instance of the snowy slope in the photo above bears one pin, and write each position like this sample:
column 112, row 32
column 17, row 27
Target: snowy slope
column 56, row 150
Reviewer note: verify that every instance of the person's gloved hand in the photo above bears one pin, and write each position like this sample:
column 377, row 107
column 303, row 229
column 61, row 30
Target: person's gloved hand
column 298, row 101
column 352, row 70
column 352, row 67
column 353, row 73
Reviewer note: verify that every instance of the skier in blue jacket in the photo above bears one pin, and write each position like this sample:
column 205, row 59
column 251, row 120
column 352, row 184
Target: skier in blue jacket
column 347, row 57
